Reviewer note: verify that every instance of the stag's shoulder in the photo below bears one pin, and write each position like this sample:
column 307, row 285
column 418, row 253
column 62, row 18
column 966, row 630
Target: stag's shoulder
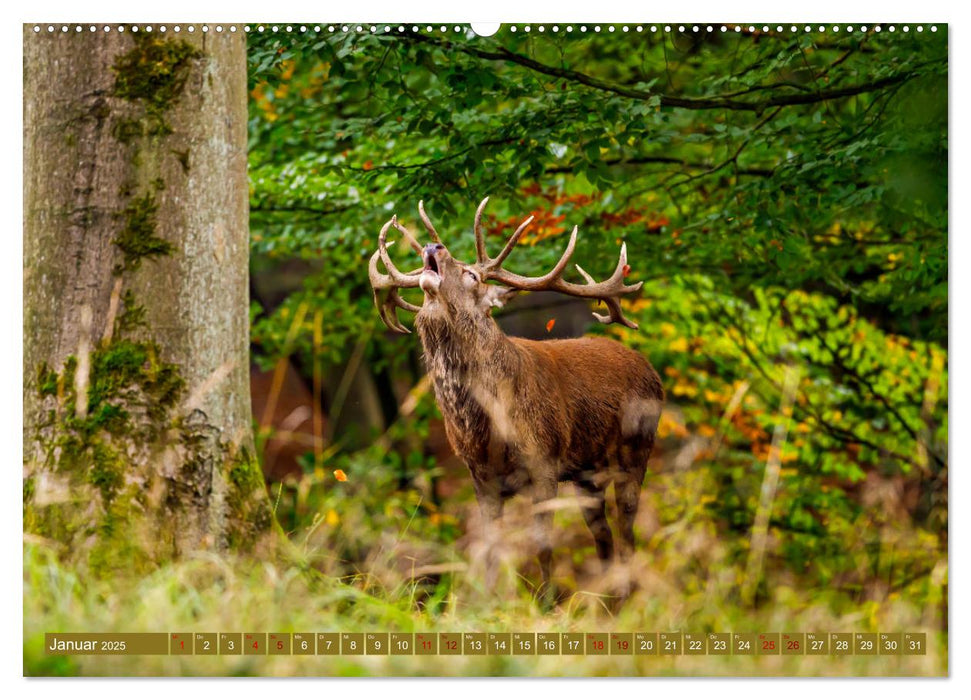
column 579, row 348
column 589, row 367
column 595, row 356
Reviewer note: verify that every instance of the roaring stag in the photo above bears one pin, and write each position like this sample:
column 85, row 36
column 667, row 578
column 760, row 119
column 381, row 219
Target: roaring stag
column 525, row 415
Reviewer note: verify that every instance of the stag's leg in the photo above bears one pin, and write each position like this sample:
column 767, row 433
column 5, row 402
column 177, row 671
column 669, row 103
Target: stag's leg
column 490, row 508
column 627, row 494
column 595, row 513
column 544, row 490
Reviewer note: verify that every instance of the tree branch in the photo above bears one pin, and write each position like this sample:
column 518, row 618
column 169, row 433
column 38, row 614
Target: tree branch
column 435, row 161
column 732, row 158
column 697, row 103
column 646, row 160
column 302, row 208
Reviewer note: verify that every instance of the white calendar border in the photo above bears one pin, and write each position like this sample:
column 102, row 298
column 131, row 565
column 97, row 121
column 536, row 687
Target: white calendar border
column 563, row 12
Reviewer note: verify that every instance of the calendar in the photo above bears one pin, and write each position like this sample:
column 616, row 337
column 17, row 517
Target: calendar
column 519, row 348
column 489, row 644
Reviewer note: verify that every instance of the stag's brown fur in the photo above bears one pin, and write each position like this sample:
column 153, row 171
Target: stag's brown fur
column 525, row 415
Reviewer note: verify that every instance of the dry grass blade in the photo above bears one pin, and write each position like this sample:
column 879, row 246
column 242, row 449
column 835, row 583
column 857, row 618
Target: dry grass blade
column 770, row 481
column 280, row 370
column 318, row 383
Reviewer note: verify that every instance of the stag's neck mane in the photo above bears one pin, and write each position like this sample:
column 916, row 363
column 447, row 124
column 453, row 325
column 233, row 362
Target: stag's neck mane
column 465, row 348
column 466, row 358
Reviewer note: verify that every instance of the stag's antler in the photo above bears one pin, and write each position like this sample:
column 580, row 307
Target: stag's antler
column 609, row 291
column 395, row 279
column 428, row 224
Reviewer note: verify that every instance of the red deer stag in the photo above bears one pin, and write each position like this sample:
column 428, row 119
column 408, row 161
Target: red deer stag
column 525, row 415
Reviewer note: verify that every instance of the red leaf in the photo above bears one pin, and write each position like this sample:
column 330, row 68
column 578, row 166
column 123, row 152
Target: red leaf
column 626, row 270
column 550, row 324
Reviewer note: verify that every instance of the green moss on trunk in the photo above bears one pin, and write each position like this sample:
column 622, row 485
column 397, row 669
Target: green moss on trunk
column 248, row 508
column 92, row 481
column 154, row 73
column 151, row 76
column 122, row 478
column 138, row 238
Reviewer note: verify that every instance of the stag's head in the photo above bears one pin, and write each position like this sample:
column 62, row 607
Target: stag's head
column 454, row 289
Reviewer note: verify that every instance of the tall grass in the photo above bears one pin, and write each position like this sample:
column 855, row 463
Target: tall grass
column 403, row 580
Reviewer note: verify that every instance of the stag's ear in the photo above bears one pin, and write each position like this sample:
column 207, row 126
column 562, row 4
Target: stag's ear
column 498, row 296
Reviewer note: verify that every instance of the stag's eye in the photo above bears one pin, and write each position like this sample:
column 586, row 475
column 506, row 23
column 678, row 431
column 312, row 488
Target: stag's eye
column 474, row 277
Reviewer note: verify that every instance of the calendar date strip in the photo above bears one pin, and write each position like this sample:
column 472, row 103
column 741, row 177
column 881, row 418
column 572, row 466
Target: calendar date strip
column 487, row 644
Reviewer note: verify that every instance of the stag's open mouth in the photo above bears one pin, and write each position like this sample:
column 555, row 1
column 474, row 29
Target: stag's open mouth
column 431, row 277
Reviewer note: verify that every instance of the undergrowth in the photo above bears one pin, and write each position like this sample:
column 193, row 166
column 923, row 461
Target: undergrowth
column 376, row 559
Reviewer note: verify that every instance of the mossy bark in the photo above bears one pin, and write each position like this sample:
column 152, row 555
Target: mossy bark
column 137, row 425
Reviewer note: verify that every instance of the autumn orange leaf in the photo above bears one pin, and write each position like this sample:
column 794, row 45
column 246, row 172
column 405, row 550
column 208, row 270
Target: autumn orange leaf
column 626, row 270
column 340, row 475
column 550, row 324
column 368, row 165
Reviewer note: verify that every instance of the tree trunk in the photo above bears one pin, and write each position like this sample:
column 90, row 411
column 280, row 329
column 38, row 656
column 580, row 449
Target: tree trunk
column 137, row 423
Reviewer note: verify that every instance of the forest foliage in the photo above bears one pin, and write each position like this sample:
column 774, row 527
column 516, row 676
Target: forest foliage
column 783, row 195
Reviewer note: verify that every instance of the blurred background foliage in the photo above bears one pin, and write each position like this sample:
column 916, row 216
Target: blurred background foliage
column 783, row 195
